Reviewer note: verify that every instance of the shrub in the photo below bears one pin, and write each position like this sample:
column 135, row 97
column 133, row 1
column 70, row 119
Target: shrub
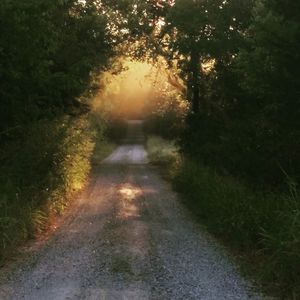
column 265, row 225
column 39, row 172
column 162, row 152
column 244, row 150
column 116, row 129
column 166, row 115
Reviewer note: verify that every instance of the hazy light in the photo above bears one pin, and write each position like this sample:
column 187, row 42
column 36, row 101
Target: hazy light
column 126, row 93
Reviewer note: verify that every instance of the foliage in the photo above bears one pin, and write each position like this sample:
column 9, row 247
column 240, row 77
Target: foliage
column 262, row 228
column 270, row 78
column 265, row 226
column 166, row 114
column 162, row 152
column 48, row 51
column 41, row 172
column 238, row 60
column 116, row 129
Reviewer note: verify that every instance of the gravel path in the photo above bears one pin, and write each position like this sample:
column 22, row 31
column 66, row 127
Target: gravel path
column 126, row 237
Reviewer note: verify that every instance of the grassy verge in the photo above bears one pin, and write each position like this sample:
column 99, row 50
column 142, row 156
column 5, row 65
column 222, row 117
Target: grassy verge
column 262, row 228
column 103, row 148
column 41, row 170
column 163, row 153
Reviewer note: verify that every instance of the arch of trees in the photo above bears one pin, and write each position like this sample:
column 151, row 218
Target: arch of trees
column 239, row 61
column 245, row 107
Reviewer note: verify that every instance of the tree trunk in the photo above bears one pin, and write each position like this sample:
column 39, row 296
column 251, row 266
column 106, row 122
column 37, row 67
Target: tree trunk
column 195, row 72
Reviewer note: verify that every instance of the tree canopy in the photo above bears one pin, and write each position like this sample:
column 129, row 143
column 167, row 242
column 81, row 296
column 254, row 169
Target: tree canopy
column 238, row 59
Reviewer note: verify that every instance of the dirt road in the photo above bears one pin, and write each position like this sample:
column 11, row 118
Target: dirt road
column 127, row 237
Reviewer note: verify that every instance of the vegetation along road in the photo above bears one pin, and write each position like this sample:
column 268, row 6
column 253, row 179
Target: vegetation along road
column 126, row 237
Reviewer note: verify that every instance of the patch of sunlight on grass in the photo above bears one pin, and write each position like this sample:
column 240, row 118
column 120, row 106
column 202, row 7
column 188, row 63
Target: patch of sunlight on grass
column 164, row 153
column 161, row 151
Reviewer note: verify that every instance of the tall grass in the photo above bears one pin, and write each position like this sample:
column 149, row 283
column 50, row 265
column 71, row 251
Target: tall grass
column 261, row 227
column 158, row 154
column 41, row 170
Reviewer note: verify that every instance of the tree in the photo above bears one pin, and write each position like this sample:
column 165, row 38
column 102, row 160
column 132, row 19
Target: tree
column 204, row 31
column 48, row 51
column 269, row 72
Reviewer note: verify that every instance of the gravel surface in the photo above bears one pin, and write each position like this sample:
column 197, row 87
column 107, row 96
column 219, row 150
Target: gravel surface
column 126, row 237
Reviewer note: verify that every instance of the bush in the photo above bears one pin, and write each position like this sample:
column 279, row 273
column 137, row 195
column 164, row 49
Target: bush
column 116, row 129
column 39, row 172
column 264, row 225
column 160, row 151
column 166, row 115
column 242, row 149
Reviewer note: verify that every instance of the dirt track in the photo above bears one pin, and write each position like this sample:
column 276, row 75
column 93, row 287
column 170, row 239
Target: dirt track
column 127, row 237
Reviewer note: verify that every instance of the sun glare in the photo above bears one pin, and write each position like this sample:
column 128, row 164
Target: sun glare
column 126, row 93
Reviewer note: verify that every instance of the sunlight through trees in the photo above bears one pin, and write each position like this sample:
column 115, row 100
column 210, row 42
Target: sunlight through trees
column 222, row 78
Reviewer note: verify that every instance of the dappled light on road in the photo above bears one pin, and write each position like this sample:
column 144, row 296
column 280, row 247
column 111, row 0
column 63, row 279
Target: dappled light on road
column 129, row 196
column 129, row 192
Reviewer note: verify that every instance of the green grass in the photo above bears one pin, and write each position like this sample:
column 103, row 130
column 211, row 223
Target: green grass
column 262, row 228
column 103, row 148
column 42, row 170
column 163, row 153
